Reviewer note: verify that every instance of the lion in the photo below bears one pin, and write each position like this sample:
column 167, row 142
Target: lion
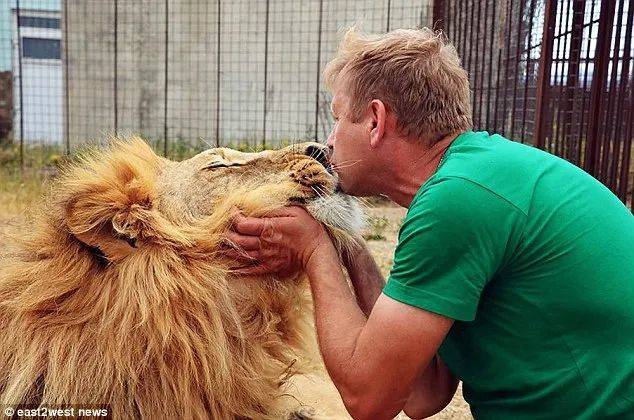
column 118, row 292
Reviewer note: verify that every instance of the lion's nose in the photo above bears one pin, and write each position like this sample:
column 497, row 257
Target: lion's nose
column 320, row 154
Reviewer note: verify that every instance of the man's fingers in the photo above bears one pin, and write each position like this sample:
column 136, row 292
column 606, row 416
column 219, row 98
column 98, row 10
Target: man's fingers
column 262, row 227
column 249, row 225
column 271, row 267
column 255, row 270
column 238, row 254
column 256, row 225
column 248, row 243
column 288, row 211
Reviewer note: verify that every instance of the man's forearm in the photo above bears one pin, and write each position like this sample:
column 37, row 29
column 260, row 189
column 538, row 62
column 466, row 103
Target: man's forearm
column 352, row 357
column 365, row 276
column 434, row 388
column 338, row 319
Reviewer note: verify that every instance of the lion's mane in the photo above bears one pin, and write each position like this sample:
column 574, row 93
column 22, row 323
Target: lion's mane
column 103, row 300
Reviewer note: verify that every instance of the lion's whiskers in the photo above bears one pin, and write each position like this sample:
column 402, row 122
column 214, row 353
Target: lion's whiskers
column 345, row 164
column 212, row 146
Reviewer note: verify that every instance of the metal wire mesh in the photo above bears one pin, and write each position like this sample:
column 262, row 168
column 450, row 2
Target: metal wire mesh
column 189, row 74
column 183, row 74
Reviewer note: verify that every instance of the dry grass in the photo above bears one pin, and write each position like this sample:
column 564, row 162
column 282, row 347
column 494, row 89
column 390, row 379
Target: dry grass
column 20, row 191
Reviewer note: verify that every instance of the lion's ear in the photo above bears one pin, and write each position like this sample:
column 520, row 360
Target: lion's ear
column 112, row 213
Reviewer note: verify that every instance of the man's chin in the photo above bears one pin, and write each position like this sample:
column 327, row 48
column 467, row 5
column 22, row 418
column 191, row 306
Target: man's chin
column 343, row 188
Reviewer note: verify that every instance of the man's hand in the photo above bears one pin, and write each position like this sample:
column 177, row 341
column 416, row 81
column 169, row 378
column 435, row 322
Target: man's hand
column 283, row 242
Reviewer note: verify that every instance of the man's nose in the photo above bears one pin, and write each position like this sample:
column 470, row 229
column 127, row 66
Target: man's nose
column 331, row 140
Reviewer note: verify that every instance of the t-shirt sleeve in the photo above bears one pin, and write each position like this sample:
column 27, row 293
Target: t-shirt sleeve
column 453, row 241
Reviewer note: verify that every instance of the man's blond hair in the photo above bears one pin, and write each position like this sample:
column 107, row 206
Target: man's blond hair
column 416, row 74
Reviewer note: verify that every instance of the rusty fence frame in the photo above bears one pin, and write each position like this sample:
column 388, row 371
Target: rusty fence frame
column 553, row 73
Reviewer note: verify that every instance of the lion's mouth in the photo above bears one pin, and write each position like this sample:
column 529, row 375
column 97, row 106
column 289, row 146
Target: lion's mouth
column 320, row 154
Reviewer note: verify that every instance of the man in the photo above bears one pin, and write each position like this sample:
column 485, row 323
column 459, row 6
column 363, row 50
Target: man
column 514, row 270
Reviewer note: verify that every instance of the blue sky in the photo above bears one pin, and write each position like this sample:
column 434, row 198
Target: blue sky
column 5, row 24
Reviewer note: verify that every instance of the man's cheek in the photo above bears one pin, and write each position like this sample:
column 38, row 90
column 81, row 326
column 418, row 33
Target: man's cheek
column 346, row 186
column 343, row 178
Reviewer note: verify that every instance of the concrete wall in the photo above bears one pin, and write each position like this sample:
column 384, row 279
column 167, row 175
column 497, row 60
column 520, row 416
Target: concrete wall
column 90, row 47
column 294, row 92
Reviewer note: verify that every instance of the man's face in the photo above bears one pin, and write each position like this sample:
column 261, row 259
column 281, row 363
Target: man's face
column 350, row 145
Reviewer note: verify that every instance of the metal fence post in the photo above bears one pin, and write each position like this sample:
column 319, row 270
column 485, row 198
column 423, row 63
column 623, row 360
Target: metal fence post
column 266, row 71
column 599, row 76
column 17, row 18
column 317, row 87
column 629, row 112
column 607, row 159
column 572, row 77
column 66, row 88
column 218, row 73
column 167, row 18
column 516, row 75
column 490, row 121
column 438, row 15
column 543, row 78
column 528, row 64
column 507, row 60
column 580, row 136
column 115, row 68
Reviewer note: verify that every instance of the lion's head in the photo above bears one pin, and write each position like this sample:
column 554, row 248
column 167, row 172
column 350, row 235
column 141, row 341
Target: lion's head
column 118, row 291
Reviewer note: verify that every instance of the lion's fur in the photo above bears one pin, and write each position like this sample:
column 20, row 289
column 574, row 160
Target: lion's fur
column 106, row 300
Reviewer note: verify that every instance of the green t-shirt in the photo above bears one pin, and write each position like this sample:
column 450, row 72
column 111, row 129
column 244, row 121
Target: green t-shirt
column 534, row 259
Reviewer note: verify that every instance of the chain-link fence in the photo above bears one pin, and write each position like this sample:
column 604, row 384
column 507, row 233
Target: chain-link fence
column 189, row 74
column 180, row 73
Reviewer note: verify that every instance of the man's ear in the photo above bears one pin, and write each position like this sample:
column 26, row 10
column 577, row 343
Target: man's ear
column 378, row 116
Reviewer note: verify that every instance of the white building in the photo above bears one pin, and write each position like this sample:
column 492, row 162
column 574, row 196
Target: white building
column 37, row 76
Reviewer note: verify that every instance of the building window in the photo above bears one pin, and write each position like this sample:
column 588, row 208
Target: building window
column 38, row 22
column 41, row 48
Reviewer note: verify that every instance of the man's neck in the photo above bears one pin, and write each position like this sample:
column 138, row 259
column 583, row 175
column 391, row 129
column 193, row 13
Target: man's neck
column 414, row 164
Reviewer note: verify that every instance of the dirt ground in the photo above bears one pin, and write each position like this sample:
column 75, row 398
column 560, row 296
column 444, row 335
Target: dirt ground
column 383, row 251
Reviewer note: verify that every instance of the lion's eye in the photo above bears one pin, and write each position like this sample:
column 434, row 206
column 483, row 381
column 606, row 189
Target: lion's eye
column 214, row 165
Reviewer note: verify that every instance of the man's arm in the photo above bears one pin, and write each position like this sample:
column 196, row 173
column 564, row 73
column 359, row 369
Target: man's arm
column 435, row 388
column 432, row 391
column 375, row 363
column 365, row 276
